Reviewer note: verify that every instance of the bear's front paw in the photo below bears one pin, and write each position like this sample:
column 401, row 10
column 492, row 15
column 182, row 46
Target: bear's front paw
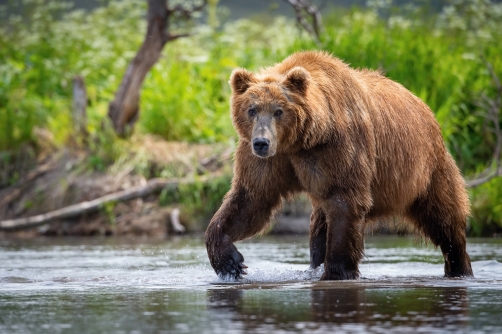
column 231, row 264
column 228, row 262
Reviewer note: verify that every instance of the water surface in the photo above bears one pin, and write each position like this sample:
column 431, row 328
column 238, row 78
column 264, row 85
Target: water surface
column 77, row 285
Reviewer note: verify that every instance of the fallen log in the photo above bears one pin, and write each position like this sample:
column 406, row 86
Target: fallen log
column 152, row 186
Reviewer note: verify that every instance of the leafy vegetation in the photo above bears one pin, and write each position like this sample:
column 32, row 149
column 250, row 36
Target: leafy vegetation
column 440, row 57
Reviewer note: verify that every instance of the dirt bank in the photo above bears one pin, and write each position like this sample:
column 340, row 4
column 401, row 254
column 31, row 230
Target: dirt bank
column 48, row 182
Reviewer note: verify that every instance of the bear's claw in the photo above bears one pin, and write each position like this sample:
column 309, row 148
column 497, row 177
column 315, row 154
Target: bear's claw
column 230, row 263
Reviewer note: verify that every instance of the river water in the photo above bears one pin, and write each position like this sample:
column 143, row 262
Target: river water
column 108, row 285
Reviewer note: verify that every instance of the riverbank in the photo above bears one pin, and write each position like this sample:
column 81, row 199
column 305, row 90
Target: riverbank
column 49, row 180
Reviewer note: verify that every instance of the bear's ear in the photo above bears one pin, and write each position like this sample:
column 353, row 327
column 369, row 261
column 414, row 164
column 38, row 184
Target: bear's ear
column 297, row 80
column 241, row 80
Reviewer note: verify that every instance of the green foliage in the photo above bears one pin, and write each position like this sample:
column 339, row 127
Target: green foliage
column 487, row 208
column 107, row 209
column 185, row 96
column 198, row 198
column 38, row 61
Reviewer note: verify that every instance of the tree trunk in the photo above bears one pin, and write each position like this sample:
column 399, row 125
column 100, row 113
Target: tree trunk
column 123, row 111
column 79, row 114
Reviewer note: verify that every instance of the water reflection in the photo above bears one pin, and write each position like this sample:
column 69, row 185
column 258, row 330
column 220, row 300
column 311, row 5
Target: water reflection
column 255, row 308
column 348, row 307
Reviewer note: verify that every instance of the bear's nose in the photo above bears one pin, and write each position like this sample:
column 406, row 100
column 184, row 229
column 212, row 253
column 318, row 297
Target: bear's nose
column 260, row 145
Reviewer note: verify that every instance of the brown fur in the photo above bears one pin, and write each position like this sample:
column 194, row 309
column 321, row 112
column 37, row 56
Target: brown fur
column 361, row 145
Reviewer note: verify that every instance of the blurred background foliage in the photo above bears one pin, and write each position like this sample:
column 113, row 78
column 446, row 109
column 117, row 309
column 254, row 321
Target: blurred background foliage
column 439, row 55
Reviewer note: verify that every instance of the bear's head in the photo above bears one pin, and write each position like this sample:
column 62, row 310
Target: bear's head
column 268, row 109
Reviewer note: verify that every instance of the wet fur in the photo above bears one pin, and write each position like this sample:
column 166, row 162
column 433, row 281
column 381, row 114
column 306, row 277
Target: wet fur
column 362, row 146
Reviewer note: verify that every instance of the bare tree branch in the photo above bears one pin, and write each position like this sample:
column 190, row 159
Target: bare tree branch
column 79, row 111
column 473, row 183
column 170, row 37
column 305, row 9
column 187, row 12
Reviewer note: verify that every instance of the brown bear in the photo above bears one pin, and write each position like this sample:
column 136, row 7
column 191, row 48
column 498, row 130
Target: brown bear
column 360, row 145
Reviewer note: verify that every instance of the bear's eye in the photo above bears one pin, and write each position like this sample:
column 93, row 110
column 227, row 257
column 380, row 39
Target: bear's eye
column 278, row 113
column 252, row 112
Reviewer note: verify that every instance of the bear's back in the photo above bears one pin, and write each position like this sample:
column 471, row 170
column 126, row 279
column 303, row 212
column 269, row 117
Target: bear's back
column 401, row 134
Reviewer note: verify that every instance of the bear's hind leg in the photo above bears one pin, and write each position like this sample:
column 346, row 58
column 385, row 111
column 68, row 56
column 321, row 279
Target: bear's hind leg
column 444, row 224
column 317, row 237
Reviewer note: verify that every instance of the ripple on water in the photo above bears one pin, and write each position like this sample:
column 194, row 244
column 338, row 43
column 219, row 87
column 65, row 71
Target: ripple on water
column 16, row 279
column 183, row 266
